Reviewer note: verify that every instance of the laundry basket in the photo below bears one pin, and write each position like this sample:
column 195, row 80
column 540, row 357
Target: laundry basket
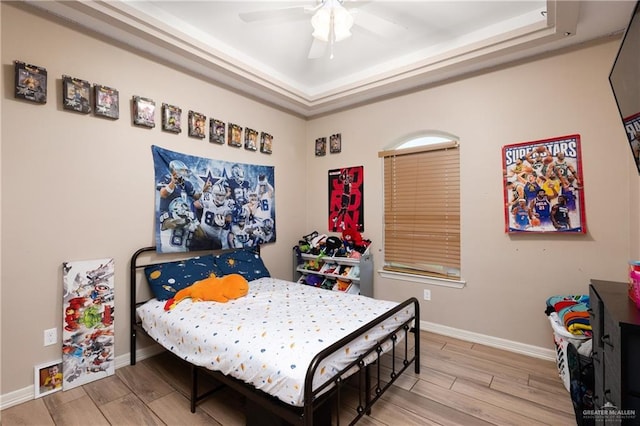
column 561, row 339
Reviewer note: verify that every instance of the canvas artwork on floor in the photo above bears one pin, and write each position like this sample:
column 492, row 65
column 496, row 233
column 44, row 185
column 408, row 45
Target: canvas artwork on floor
column 88, row 321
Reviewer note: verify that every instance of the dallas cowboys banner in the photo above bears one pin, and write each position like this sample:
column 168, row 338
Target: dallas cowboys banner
column 206, row 204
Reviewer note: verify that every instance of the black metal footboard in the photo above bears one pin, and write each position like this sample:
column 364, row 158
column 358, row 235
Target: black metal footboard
column 365, row 373
column 368, row 368
column 370, row 380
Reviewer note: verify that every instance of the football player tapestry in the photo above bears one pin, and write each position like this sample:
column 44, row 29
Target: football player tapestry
column 206, row 204
column 346, row 205
column 88, row 316
column 543, row 186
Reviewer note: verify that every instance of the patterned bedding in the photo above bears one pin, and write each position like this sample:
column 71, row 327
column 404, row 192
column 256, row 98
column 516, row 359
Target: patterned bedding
column 269, row 337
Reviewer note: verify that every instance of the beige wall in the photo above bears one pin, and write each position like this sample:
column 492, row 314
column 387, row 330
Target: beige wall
column 78, row 187
column 508, row 277
column 81, row 187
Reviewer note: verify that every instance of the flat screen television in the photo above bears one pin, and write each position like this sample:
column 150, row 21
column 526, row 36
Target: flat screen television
column 625, row 83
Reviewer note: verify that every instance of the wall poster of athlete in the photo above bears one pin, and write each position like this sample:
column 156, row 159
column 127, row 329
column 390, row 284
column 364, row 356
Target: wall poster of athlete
column 543, row 186
column 206, row 204
column 346, row 199
column 632, row 127
column 88, row 321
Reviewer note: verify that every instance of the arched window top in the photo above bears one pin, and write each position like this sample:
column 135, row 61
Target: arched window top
column 423, row 139
column 422, row 225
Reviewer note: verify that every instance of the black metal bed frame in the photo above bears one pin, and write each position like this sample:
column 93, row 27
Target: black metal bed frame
column 371, row 382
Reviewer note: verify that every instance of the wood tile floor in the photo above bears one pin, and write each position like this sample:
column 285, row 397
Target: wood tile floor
column 460, row 383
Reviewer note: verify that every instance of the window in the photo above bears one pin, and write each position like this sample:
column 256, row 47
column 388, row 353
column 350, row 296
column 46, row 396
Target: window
column 422, row 208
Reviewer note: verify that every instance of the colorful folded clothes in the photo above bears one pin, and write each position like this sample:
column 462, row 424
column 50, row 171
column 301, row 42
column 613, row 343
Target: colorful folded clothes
column 557, row 303
column 572, row 311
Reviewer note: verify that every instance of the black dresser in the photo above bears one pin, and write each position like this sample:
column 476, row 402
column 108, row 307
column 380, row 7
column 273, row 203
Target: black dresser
column 616, row 353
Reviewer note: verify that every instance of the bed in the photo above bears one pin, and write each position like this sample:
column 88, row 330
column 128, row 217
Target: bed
column 288, row 348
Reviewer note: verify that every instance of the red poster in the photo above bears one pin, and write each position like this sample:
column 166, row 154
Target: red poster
column 346, row 205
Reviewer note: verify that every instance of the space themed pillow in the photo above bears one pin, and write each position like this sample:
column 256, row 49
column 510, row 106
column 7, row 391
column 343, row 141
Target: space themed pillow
column 165, row 279
column 245, row 262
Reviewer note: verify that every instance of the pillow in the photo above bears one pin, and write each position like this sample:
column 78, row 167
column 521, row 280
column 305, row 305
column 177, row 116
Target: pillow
column 245, row 262
column 166, row 279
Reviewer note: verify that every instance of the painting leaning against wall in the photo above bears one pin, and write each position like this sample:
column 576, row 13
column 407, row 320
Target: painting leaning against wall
column 88, row 321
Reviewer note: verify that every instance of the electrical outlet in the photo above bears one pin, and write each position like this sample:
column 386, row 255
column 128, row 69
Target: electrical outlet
column 50, row 337
column 427, row 295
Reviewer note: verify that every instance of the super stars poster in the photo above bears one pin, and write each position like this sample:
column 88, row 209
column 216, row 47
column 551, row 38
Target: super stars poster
column 543, row 186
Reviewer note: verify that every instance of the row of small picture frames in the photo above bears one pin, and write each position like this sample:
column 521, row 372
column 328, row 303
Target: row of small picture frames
column 232, row 134
column 335, row 145
column 31, row 85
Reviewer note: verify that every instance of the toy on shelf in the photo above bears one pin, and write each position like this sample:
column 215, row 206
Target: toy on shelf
column 340, row 263
column 353, row 240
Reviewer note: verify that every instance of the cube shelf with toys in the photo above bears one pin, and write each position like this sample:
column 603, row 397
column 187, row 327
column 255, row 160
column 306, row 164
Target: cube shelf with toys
column 338, row 263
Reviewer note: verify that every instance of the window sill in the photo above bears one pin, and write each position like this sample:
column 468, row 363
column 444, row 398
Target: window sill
column 422, row 279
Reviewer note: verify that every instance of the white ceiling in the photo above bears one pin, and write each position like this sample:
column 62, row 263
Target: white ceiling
column 411, row 44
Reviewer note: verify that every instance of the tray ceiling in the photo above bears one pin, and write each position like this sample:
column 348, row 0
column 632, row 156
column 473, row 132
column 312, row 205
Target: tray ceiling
column 261, row 48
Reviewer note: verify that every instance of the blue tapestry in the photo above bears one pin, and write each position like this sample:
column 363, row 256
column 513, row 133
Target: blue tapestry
column 206, row 204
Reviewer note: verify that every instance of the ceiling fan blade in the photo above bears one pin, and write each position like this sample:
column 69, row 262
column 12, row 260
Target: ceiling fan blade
column 287, row 13
column 376, row 24
column 317, row 49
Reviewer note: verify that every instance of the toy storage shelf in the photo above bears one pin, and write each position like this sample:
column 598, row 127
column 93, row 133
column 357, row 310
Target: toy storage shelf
column 330, row 270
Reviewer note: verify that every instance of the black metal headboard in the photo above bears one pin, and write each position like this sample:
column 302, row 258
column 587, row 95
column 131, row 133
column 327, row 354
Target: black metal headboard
column 134, row 267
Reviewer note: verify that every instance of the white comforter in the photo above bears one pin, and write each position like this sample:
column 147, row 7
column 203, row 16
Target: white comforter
column 269, row 337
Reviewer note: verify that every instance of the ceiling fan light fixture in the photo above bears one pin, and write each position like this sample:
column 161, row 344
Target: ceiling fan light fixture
column 332, row 16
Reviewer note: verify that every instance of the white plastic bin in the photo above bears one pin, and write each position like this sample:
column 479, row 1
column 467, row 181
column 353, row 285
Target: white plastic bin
column 561, row 339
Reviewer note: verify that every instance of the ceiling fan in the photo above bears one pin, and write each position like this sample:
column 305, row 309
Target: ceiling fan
column 331, row 22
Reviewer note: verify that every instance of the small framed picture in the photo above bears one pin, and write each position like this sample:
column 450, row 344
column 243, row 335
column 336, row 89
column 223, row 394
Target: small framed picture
column 31, row 82
column 335, row 143
column 107, row 102
column 266, row 142
column 47, row 378
column 251, row 139
column 144, row 112
column 171, row 118
column 216, row 131
column 235, row 135
column 321, row 147
column 197, row 124
column 76, row 94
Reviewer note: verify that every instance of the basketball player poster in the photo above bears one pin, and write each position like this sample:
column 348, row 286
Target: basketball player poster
column 346, row 205
column 632, row 127
column 543, row 186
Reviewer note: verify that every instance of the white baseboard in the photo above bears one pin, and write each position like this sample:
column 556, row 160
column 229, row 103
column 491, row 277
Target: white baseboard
column 27, row 394
column 495, row 342
column 16, row 397
column 141, row 354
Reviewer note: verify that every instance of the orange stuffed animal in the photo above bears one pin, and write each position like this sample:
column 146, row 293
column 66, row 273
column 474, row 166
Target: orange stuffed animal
column 216, row 289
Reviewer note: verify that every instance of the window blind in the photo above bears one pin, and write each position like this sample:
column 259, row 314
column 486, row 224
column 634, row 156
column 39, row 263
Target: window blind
column 422, row 210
